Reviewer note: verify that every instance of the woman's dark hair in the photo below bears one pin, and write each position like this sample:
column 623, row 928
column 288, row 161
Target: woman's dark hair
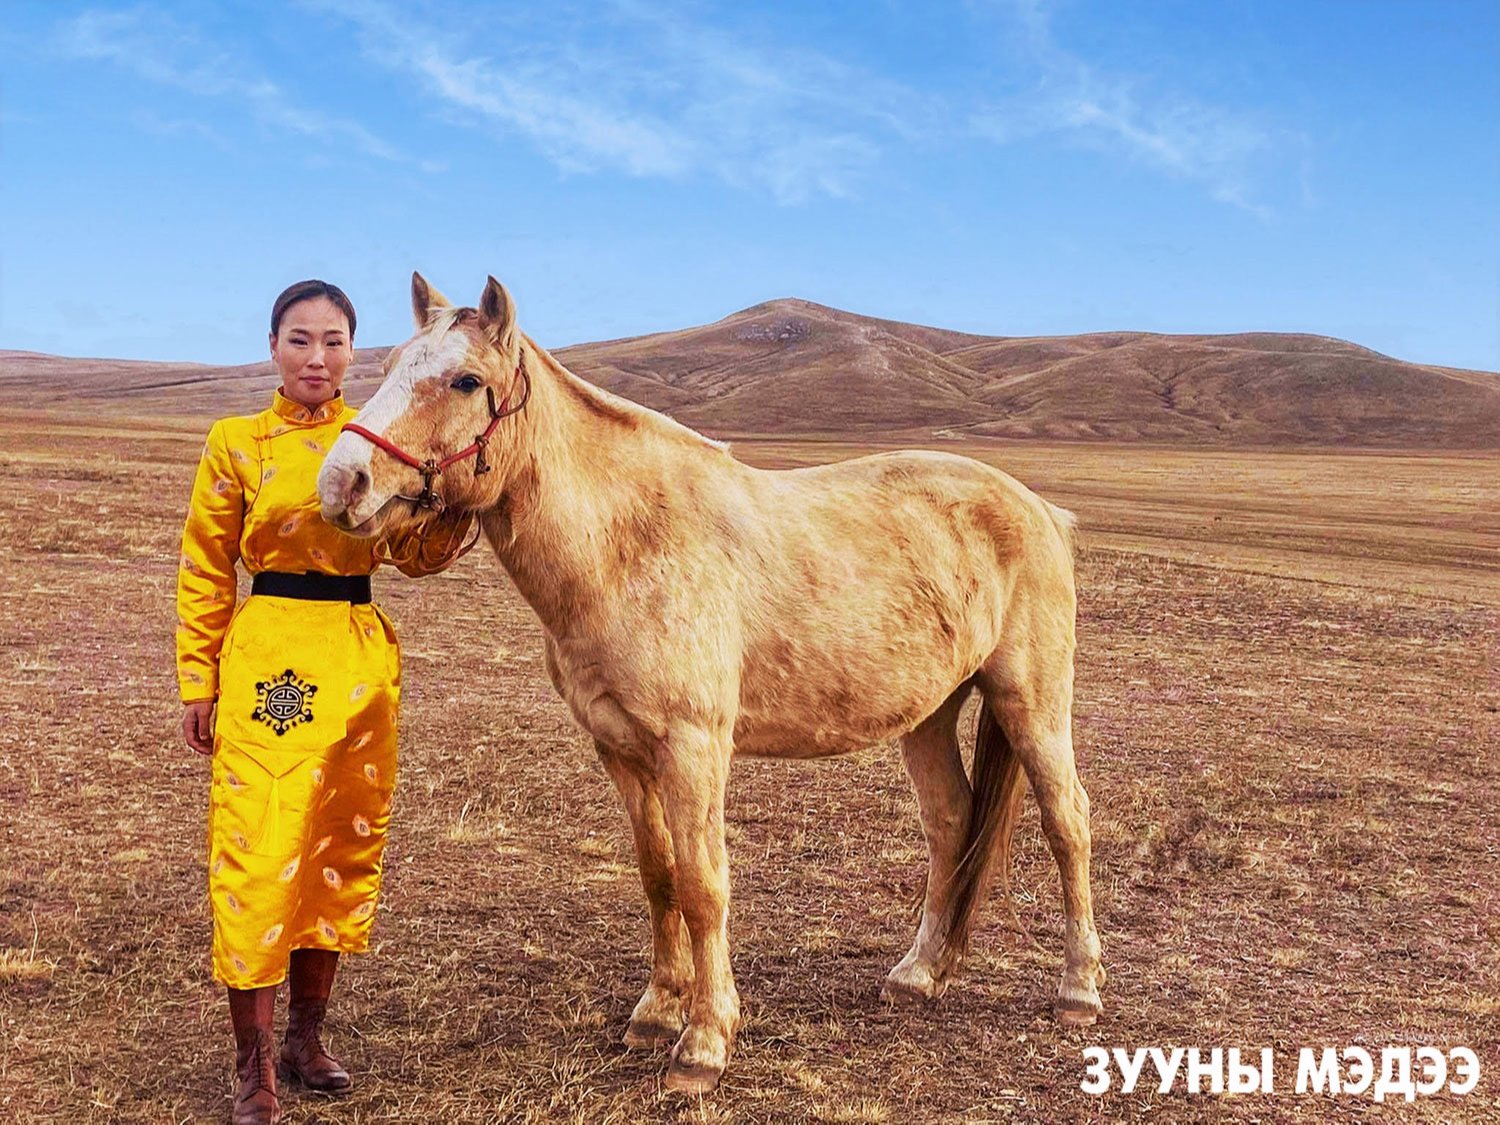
column 307, row 291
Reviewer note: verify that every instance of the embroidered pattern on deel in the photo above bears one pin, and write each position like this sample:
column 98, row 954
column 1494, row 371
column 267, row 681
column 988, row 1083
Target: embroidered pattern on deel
column 284, row 702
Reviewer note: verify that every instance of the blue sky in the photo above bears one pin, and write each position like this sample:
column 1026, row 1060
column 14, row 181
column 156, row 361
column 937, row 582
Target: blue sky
column 1012, row 167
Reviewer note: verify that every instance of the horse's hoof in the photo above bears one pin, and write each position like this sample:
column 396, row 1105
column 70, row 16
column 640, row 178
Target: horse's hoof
column 698, row 1060
column 1077, row 1013
column 910, row 983
column 900, row 994
column 691, row 1078
column 645, row 1034
column 658, row 1017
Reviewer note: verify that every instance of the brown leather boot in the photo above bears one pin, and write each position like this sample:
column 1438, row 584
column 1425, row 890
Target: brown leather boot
column 255, row 1101
column 302, row 1054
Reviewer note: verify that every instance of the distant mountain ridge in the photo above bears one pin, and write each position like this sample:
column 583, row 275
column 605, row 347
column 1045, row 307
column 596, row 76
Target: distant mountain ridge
column 793, row 367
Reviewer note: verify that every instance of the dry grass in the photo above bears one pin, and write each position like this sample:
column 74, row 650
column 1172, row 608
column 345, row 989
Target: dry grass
column 1294, row 793
column 21, row 966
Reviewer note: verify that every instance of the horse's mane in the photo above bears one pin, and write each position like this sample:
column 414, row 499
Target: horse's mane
column 596, row 400
column 613, row 407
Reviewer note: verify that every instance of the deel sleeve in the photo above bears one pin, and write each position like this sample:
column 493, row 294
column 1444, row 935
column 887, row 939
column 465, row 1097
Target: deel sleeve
column 205, row 572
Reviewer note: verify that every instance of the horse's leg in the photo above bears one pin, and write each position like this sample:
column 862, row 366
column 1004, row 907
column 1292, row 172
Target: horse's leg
column 692, row 768
column 936, row 769
column 1030, row 693
column 660, row 1013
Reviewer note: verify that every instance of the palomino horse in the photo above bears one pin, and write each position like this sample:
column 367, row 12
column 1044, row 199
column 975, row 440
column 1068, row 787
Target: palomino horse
column 696, row 608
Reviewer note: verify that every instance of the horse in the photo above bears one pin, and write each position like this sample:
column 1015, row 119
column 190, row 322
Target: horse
column 696, row 607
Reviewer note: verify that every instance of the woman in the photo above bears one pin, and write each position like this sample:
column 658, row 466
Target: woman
column 305, row 678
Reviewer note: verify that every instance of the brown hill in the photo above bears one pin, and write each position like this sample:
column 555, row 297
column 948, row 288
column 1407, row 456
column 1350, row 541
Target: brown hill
column 789, row 367
column 792, row 367
column 34, row 381
column 795, row 367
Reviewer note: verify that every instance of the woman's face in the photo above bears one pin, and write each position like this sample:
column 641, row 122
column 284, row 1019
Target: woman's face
column 312, row 350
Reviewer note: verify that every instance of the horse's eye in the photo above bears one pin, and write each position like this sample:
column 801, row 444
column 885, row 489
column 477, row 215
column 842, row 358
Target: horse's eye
column 466, row 383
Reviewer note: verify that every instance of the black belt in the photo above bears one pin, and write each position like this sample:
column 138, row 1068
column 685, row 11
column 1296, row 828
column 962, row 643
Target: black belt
column 313, row 587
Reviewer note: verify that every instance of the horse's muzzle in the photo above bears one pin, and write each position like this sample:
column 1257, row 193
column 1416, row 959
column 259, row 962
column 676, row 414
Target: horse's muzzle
column 343, row 491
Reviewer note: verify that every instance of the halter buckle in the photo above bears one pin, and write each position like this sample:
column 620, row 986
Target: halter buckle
column 429, row 499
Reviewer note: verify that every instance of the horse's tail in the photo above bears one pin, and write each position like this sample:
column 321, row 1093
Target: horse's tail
column 998, row 790
column 1067, row 527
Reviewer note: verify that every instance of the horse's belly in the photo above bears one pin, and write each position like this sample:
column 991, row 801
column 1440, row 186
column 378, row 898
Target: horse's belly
column 831, row 682
column 784, row 742
column 835, row 720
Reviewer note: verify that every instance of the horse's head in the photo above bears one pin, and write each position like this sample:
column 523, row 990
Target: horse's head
column 450, row 385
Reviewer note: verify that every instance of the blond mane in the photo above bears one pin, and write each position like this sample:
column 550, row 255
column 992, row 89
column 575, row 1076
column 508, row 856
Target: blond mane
column 603, row 403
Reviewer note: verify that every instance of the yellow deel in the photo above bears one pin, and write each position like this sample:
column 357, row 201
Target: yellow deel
column 305, row 739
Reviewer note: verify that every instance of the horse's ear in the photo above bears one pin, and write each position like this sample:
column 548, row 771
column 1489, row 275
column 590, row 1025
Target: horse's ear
column 425, row 300
column 497, row 313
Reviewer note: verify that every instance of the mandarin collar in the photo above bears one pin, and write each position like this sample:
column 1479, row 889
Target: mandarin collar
column 295, row 412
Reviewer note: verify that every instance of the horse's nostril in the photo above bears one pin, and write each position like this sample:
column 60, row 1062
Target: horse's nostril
column 360, row 486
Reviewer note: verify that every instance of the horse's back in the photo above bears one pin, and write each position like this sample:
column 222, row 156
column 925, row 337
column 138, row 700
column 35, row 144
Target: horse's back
column 934, row 496
column 911, row 471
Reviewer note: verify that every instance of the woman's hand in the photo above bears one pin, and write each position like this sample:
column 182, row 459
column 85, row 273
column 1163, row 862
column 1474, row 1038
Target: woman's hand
column 198, row 726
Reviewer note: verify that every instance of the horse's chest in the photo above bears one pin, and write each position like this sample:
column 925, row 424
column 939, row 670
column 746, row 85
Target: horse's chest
column 590, row 687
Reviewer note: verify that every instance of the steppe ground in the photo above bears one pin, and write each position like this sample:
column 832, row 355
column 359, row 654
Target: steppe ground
column 1287, row 694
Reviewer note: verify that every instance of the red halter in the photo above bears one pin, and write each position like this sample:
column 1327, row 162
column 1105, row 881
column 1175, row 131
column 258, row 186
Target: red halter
column 432, row 467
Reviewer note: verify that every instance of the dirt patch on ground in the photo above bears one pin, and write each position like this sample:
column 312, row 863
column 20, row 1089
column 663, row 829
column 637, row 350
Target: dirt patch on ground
column 1293, row 783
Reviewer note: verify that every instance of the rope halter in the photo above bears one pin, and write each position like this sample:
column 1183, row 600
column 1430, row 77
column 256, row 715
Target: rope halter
column 431, row 468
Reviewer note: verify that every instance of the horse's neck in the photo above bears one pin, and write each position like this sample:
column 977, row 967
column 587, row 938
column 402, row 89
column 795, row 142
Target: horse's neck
column 585, row 459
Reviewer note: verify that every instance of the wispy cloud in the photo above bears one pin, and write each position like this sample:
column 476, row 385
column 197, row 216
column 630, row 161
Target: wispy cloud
column 149, row 122
column 154, row 46
column 661, row 94
column 1171, row 131
column 674, row 89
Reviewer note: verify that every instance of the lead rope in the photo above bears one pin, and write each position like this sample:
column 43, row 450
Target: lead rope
column 424, row 555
